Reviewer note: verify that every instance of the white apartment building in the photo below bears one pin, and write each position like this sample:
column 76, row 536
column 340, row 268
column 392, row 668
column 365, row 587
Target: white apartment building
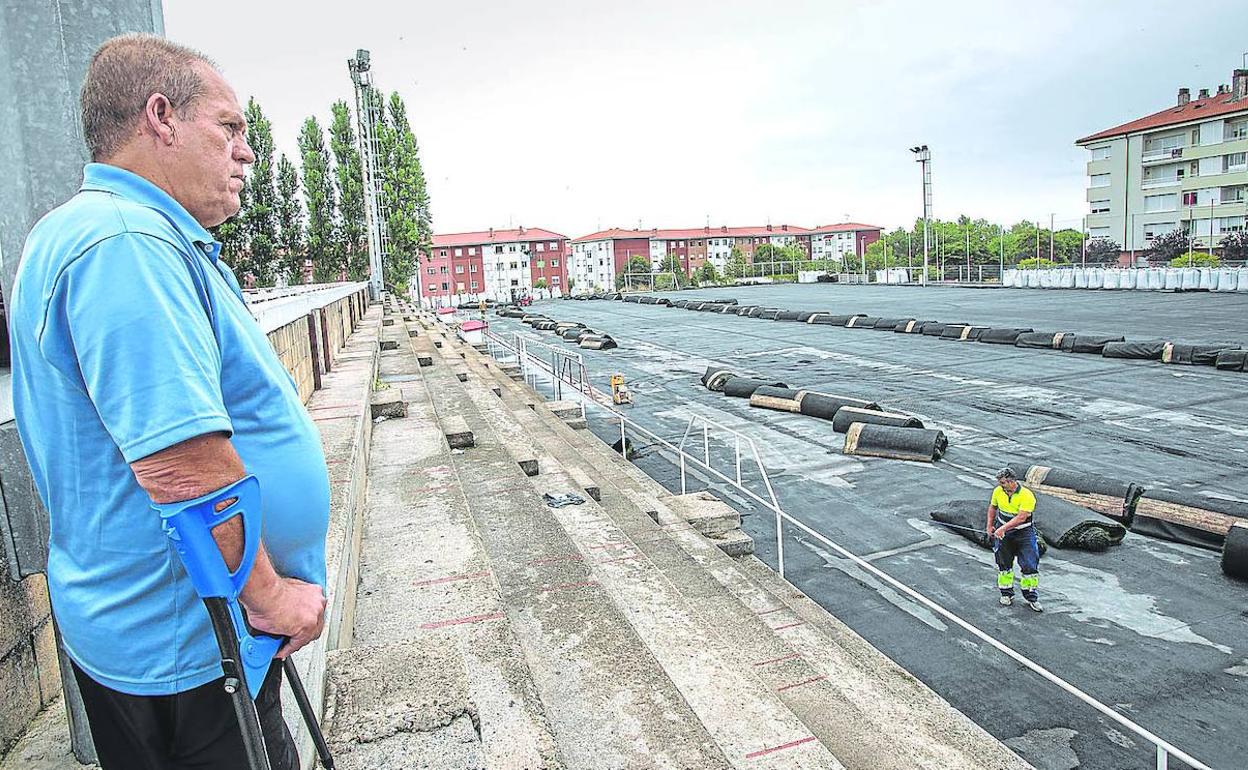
column 1185, row 167
column 835, row 241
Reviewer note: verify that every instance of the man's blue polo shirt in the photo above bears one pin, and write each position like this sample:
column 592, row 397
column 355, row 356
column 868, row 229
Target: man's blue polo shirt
column 130, row 336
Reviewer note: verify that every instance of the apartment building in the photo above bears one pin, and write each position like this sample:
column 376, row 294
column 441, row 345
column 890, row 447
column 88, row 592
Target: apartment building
column 838, row 241
column 498, row 265
column 597, row 258
column 1185, row 167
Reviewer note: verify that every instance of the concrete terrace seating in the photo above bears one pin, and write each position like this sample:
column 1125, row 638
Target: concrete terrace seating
column 492, row 630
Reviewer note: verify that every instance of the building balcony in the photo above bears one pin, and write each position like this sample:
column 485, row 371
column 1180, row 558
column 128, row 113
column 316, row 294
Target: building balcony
column 1161, row 155
column 1166, row 181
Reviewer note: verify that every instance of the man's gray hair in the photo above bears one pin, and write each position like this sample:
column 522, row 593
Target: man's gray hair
column 124, row 72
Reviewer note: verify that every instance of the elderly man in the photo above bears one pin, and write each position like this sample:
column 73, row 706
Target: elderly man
column 1013, row 536
column 139, row 377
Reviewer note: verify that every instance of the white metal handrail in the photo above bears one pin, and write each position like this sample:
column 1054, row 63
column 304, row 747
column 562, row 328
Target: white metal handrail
column 1164, row 749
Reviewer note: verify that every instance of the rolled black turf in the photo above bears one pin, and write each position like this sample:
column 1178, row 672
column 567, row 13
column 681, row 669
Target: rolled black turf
column 1063, row 524
column 770, row 314
column 861, row 322
column 848, row 415
column 1041, row 340
column 1197, row 355
column 889, row 324
column 895, row 443
column 744, row 387
column 715, row 377
column 826, row 405
column 1231, row 360
column 935, row 328
column 1001, row 335
column 910, row 327
column 1143, row 351
column 969, row 519
column 1091, row 343
column 1235, row 552
column 598, row 342
column 788, row 315
column 1186, row 517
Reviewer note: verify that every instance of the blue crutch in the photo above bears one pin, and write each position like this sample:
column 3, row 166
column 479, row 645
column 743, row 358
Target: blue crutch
column 245, row 654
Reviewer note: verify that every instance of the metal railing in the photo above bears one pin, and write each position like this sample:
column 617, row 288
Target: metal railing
column 582, row 385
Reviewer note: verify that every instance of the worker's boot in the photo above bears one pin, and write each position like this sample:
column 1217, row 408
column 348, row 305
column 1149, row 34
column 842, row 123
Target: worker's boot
column 1035, row 605
column 1006, row 600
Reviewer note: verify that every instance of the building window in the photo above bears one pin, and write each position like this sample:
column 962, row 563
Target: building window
column 511, row 247
column 442, row 253
column 1231, row 224
column 431, row 271
column 472, row 268
column 554, row 246
column 459, row 252
column 442, row 269
column 1157, row 229
column 1098, row 232
column 445, row 286
column 459, row 268
column 554, row 279
column 1189, row 199
column 1100, row 153
column 1236, row 130
column 540, row 263
column 472, row 250
column 1235, row 161
column 459, row 286
column 514, row 282
column 1099, row 180
column 1152, row 203
column 541, row 246
column 554, row 263
column 474, row 285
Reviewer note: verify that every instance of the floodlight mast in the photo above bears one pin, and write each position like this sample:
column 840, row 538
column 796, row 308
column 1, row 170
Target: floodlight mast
column 924, row 157
column 366, row 120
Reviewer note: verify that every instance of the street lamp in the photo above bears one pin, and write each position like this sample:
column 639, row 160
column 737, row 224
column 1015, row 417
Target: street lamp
column 924, row 157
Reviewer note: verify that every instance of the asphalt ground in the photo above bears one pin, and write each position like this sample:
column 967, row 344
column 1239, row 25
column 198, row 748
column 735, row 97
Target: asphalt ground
column 1151, row 628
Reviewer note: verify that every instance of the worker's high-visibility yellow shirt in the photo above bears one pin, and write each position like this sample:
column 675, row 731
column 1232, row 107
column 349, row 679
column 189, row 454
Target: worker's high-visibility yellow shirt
column 1008, row 506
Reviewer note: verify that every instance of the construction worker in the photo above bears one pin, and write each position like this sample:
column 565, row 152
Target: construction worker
column 1012, row 533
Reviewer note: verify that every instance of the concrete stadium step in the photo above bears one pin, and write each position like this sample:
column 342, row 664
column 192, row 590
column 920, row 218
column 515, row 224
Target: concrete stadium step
column 609, row 703
column 659, row 578
column 428, row 617
column 748, row 721
column 880, row 704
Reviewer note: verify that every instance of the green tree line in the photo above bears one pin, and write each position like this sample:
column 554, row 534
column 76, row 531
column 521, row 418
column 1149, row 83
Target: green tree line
column 315, row 209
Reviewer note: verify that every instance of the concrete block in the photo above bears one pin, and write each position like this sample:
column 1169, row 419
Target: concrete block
column 387, row 322
column 529, row 466
column 498, row 391
column 509, row 369
column 706, row 513
column 437, row 343
column 577, row 424
column 389, row 344
column 462, row 375
column 735, row 543
column 387, row 403
column 413, row 333
column 424, row 360
column 20, row 685
column 565, row 410
column 481, row 348
column 585, row 482
column 455, row 428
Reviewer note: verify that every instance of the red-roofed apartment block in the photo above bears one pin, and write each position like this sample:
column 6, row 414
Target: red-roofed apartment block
column 1183, row 168
column 596, row 259
column 499, row 265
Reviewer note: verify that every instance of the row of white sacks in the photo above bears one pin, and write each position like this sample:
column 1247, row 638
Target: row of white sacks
column 1142, row 279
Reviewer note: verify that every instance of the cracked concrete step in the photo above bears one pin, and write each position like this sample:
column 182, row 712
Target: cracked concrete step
column 608, row 701
column 697, row 650
column 446, row 597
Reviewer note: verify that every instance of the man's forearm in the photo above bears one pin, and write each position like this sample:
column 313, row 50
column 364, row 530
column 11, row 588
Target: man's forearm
column 1017, row 521
column 195, row 468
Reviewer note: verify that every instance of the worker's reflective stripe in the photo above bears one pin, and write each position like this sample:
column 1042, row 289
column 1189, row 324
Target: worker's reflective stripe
column 1006, row 579
column 1029, row 581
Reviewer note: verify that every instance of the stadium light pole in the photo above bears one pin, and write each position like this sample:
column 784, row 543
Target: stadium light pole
column 924, row 157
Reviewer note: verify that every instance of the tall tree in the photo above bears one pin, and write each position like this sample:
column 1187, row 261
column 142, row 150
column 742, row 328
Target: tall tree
column 318, row 192
column 261, row 218
column 349, row 178
column 289, row 221
column 409, row 221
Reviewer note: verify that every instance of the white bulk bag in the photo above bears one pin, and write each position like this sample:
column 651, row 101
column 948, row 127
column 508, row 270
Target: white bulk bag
column 1174, row 279
column 1128, row 278
column 1109, row 279
column 1066, row 279
column 1081, row 277
column 1228, row 279
column 1096, row 278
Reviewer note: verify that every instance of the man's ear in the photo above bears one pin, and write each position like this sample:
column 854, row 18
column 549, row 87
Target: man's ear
column 158, row 118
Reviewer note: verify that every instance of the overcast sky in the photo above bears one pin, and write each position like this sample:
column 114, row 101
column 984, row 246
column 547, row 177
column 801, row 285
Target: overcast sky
column 580, row 115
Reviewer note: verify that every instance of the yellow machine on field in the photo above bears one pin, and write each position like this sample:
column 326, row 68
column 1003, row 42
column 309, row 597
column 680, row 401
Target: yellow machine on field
column 620, row 394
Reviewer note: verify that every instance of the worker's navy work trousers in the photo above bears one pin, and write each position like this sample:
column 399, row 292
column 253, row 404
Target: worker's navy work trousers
column 1018, row 544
